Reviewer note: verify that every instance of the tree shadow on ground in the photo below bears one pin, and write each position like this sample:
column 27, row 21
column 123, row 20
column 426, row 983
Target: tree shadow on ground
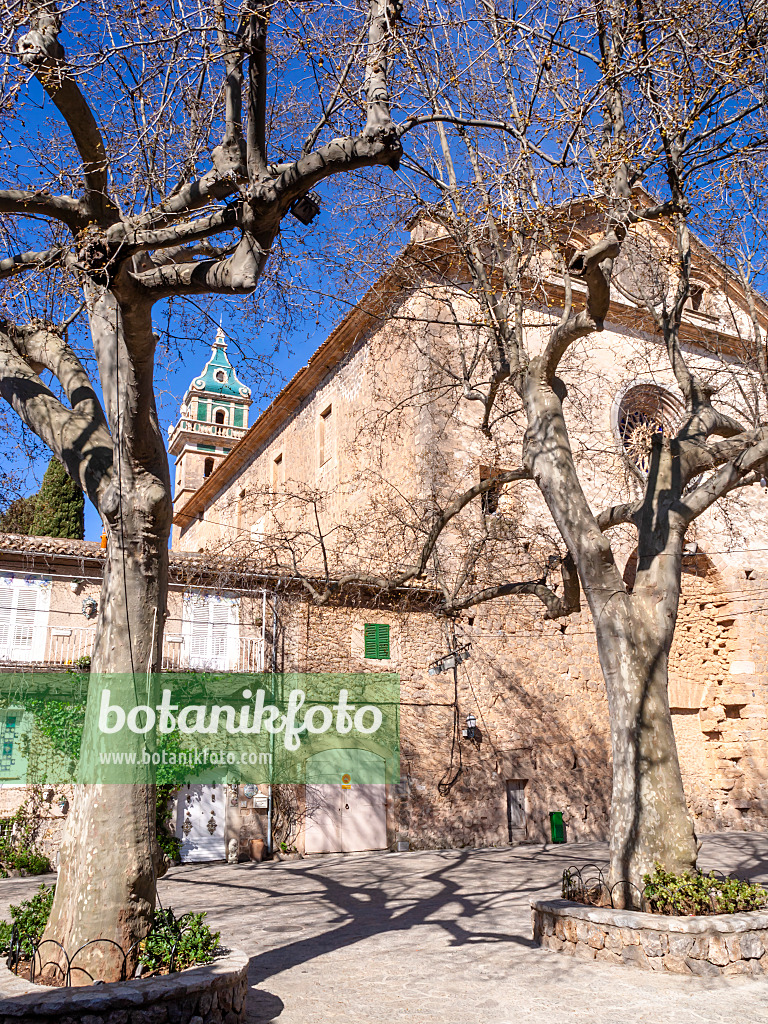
column 365, row 911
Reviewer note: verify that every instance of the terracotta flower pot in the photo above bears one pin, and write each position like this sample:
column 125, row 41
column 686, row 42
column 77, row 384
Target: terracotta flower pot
column 257, row 849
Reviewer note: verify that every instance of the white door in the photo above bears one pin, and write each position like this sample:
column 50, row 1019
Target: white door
column 24, row 605
column 201, row 821
column 344, row 816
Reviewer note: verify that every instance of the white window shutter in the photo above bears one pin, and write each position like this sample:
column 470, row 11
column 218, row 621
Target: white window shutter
column 219, row 633
column 24, row 625
column 198, row 648
column 6, row 618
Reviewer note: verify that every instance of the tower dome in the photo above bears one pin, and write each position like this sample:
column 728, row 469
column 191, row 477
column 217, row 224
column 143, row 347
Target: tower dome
column 212, row 418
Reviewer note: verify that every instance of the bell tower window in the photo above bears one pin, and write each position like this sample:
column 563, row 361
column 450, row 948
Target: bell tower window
column 207, row 467
column 221, row 416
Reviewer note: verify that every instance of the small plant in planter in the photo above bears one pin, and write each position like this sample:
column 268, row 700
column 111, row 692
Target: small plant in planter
column 694, row 893
column 30, row 917
column 176, row 943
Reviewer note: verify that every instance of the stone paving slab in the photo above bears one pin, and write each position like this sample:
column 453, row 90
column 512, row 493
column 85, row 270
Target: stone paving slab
column 435, row 937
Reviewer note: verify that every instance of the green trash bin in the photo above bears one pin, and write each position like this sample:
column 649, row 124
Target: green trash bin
column 557, row 826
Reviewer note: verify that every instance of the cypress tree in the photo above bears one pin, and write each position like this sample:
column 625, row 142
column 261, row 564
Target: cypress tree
column 19, row 515
column 59, row 505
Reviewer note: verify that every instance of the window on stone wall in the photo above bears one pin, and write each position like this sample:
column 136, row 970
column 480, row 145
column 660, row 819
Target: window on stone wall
column 696, row 298
column 207, row 467
column 24, row 605
column 646, row 411
column 278, row 473
column 376, row 640
column 325, row 436
column 490, row 499
column 221, row 416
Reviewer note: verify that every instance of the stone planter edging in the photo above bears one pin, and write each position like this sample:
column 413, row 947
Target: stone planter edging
column 717, row 944
column 214, row 993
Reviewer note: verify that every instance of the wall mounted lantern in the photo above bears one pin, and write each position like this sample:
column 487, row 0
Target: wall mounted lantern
column 451, row 660
column 470, row 732
column 306, row 208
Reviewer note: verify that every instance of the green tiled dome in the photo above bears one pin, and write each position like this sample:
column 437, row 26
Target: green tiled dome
column 218, row 376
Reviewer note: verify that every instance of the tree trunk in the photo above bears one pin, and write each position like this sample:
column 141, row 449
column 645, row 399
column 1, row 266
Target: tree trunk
column 649, row 816
column 110, row 858
column 650, row 822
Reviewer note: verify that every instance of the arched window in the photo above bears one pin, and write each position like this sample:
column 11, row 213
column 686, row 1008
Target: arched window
column 696, row 298
column 645, row 411
column 221, row 416
column 207, row 467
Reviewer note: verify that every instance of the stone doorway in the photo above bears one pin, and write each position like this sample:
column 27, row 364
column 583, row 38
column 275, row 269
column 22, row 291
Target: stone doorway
column 516, row 817
column 201, row 812
column 344, row 816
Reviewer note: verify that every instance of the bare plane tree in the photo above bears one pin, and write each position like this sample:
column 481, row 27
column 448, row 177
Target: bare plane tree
column 142, row 203
column 617, row 116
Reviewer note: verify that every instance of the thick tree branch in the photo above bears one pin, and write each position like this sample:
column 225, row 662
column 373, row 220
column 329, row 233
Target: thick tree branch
column 618, row 515
column 32, row 203
column 41, row 52
column 229, row 157
column 79, row 436
column 237, row 275
column 12, row 265
column 594, row 267
column 696, row 457
column 557, row 607
column 223, row 219
column 255, row 40
column 752, row 459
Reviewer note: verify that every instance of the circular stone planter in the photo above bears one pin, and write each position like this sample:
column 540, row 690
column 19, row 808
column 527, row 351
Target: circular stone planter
column 717, row 944
column 212, row 994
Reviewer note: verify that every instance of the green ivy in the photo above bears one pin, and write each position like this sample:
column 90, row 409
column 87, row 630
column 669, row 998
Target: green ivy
column 168, row 843
column 194, row 941
column 61, row 722
column 693, row 893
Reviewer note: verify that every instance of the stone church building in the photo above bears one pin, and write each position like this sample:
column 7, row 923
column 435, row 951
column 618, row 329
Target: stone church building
column 326, row 492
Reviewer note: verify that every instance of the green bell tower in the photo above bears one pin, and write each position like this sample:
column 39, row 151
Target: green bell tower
column 212, row 419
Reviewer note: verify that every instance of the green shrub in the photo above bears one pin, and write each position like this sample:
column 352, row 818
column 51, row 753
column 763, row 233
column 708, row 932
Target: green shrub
column 31, row 916
column 166, row 840
column 17, row 845
column 195, row 942
column 694, row 893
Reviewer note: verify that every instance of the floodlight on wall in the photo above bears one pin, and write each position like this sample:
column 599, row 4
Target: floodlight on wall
column 306, row 208
column 450, row 661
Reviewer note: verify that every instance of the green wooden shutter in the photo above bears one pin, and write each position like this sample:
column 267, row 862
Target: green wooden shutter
column 371, row 640
column 383, row 639
column 376, row 640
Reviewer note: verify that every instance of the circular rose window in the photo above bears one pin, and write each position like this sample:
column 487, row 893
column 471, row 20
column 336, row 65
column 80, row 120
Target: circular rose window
column 644, row 411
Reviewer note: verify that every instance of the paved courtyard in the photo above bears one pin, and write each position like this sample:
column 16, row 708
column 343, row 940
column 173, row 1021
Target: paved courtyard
column 438, row 936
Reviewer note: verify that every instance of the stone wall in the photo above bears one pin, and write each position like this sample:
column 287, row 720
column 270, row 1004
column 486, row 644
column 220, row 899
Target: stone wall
column 722, row 944
column 212, row 994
